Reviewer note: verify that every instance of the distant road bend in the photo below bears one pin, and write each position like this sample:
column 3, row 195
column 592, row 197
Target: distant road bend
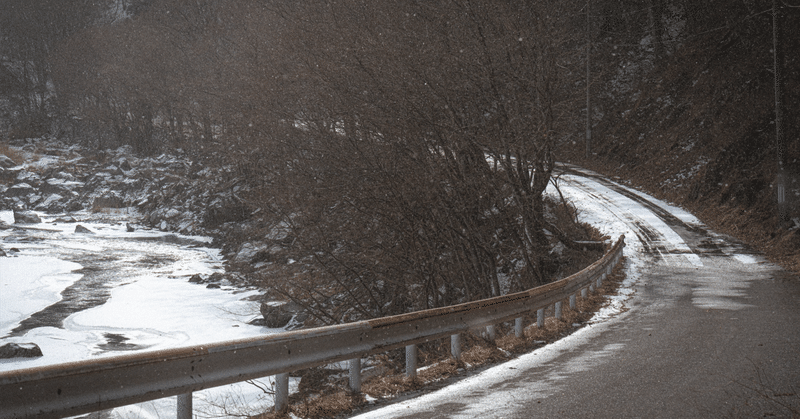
column 709, row 329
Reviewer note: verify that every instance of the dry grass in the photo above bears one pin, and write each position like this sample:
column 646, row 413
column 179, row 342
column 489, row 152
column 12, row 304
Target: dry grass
column 323, row 392
column 11, row 153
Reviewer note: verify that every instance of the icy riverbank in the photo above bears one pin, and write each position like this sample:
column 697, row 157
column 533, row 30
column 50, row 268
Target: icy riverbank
column 80, row 296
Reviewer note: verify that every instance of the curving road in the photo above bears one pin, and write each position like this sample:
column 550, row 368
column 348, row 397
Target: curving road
column 708, row 329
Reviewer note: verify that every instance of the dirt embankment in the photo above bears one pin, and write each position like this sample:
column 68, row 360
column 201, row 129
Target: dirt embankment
column 697, row 127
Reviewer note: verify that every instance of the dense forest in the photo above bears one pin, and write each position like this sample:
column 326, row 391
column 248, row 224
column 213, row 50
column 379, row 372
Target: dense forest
column 399, row 150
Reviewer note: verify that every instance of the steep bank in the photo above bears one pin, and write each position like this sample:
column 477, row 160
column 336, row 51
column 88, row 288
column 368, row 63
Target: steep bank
column 696, row 126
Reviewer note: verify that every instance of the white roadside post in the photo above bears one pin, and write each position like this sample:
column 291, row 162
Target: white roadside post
column 558, row 310
column 518, row 331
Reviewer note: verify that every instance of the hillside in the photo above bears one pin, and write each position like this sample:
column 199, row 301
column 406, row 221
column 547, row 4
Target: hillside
column 697, row 126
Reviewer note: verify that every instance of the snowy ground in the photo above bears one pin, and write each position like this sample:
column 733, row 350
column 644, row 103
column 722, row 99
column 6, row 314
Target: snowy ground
column 147, row 302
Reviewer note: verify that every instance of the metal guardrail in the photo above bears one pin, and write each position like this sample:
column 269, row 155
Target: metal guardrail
column 81, row 387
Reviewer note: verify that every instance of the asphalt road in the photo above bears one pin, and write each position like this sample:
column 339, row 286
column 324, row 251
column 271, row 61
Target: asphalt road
column 710, row 330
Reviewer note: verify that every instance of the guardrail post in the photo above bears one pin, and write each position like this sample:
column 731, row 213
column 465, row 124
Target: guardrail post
column 558, row 310
column 572, row 301
column 591, row 287
column 411, row 361
column 490, row 333
column 355, row 375
column 281, row 392
column 584, row 292
column 518, row 331
column 540, row 318
column 185, row 406
column 455, row 346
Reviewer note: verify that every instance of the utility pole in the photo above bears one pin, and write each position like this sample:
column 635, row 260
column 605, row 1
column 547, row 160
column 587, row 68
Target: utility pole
column 781, row 179
column 588, row 84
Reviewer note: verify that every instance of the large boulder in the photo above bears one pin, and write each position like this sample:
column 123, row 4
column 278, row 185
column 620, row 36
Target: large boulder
column 26, row 217
column 20, row 350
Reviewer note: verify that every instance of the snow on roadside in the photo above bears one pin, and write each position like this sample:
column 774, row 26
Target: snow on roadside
column 615, row 214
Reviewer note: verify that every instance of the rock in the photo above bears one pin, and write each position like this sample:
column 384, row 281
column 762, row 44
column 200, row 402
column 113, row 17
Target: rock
column 20, row 350
column 68, row 219
column 196, row 279
column 249, row 253
column 171, row 213
column 59, row 185
column 125, row 165
column 82, row 230
column 26, row 176
column 26, row 217
column 111, row 200
column 277, row 316
column 213, row 286
column 20, row 189
column 129, row 227
column 51, row 203
column 6, row 162
column 2, row 253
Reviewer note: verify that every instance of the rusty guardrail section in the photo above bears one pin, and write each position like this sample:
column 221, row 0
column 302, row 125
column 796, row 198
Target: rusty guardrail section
column 87, row 386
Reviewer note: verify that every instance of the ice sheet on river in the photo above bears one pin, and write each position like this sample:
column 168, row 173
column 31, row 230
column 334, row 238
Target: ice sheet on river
column 79, row 296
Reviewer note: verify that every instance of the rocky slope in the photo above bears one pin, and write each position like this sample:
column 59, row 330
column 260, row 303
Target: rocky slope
column 168, row 192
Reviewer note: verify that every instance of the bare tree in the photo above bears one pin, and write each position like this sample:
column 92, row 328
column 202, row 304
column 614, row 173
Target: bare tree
column 420, row 144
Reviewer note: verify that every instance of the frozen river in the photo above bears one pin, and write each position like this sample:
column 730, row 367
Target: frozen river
column 109, row 291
